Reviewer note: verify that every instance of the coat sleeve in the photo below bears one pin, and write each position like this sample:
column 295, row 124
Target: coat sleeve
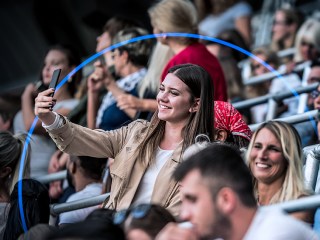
column 81, row 141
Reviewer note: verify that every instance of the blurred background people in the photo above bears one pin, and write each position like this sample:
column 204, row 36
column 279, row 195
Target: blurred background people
column 286, row 23
column 11, row 149
column 219, row 15
column 85, row 174
column 35, row 201
column 62, row 57
column 181, row 16
column 307, row 42
column 130, row 63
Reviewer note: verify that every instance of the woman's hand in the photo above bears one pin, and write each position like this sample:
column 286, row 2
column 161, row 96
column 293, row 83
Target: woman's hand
column 125, row 101
column 99, row 78
column 43, row 107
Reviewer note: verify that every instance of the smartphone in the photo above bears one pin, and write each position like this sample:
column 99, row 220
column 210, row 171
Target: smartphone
column 54, row 80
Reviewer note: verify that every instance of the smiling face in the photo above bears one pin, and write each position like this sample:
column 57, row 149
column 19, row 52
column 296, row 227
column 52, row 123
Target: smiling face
column 174, row 100
column 267, row 161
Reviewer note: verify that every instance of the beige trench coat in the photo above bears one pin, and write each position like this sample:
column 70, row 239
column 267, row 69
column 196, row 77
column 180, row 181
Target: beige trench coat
column 126, row 172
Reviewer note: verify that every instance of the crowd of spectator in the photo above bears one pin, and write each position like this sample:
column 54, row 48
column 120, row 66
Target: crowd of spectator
column 154, row 125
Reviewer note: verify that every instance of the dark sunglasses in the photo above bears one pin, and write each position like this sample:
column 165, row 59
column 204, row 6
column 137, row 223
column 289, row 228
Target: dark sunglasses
column 314, row 94
column 139, row 211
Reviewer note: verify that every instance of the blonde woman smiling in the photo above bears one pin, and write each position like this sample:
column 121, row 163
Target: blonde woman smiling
column 275, row 160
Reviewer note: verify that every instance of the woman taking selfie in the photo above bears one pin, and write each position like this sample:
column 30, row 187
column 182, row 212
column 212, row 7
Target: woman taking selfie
column 145, row 153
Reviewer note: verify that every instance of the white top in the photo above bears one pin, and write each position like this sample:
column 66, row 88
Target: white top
column 213, row 25
column 285, row 84
column 91, row 190
column 146, row 185
column 42, row 146
column 276, row 225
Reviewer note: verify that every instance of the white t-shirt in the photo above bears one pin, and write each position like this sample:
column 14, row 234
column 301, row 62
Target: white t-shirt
column 276, row 225
column 146, row 185
column 91, row 190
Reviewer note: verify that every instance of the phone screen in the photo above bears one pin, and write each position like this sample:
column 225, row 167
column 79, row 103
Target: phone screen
column 54, row 80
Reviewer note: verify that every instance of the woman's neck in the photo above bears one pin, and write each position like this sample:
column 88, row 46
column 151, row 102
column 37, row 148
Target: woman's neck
column 176, row 47
column 267, row 191
column 172, row 136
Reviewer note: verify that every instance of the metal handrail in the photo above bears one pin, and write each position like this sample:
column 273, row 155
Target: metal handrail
column 56, row 209
column 276, row 96
column 52, row 177
column 310, row 202
column 306, row 203
column 292, row 119
column 270, row 75
column 281, row 54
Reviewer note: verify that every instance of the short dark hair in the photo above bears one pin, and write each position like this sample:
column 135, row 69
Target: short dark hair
column 93, row 167
column 221, row 165
column 138, row 51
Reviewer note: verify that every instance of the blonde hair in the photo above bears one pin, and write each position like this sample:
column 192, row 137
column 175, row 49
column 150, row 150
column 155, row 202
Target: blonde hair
column 293, row 184
column 160, row 56
column 175, row 16
column 309, row 30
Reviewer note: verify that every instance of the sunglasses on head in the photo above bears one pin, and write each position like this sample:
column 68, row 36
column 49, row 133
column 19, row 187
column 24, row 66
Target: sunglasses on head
column 137, row 212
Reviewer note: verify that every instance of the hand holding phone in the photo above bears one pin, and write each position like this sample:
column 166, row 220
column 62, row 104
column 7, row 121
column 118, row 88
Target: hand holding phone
column 54, row 80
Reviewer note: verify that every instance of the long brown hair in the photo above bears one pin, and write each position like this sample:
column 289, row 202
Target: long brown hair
column 201, row 122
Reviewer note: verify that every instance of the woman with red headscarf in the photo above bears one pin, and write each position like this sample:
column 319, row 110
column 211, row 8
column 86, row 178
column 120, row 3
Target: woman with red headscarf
column 229, row 125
